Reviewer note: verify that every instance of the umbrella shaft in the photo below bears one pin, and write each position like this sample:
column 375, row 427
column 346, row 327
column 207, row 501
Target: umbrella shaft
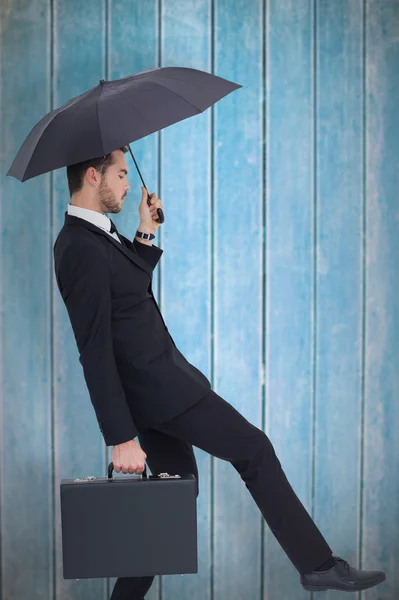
column 161, row 217
column 137, row 167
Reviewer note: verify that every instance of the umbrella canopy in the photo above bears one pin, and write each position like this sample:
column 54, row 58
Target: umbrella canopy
column 114, row 113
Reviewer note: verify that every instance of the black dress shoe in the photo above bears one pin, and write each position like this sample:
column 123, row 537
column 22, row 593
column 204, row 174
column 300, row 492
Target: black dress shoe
column 341, row 577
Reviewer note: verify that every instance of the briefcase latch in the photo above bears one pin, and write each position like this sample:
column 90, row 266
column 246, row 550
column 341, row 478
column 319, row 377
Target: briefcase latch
column 167, row 476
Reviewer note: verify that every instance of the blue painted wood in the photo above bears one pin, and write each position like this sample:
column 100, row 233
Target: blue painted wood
column 132, row 47
column 237, row 283
column 380, row 508
column 25, row 388
column 338, row 279
column 79, row 447
column 185, row 270
column 329, row 298
column 289, row 277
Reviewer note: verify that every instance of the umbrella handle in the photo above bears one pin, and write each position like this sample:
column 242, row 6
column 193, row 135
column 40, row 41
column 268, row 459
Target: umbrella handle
column 159, row 210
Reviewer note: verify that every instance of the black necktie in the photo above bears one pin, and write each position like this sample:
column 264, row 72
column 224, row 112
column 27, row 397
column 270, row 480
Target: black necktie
column 113, row 228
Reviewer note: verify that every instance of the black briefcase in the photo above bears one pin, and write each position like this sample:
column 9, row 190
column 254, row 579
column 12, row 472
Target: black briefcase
column 129, row 526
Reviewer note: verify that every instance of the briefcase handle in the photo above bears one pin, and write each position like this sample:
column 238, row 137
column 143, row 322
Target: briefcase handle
column 111, row 468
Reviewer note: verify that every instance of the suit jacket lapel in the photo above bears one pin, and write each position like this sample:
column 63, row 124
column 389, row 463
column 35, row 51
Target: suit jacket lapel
column 131, row 254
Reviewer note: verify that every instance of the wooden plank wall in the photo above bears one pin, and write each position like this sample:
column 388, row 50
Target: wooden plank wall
column 279, row 277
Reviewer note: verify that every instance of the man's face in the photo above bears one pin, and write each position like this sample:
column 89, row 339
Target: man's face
column 114, row 185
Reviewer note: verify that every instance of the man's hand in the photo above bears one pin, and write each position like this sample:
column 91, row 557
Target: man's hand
column 148, row 214
column 128, row 458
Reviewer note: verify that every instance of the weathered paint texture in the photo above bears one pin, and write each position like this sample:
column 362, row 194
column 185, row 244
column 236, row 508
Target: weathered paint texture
column 279, row 277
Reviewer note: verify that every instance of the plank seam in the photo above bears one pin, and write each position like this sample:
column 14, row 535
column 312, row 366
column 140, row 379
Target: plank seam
column 212, row 303
column 314, row 257
column 364, row 284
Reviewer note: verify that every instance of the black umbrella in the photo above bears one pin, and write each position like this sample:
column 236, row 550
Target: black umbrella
column 114, row 113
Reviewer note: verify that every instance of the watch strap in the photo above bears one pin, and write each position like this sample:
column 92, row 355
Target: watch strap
column 145, row 236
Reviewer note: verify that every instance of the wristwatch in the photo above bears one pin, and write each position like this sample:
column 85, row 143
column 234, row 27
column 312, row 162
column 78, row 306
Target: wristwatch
column 145, row 236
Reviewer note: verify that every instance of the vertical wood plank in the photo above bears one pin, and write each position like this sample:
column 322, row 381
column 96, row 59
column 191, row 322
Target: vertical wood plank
column 237, row 302
column 380, row 540
column 26, row 462
column 79, row 447
column 339, row 217
column 289, row 276
column 133, row 42
column 132, row 47
column 186, row 296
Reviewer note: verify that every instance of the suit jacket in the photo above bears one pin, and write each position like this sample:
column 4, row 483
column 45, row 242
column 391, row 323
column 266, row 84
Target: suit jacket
column 135, row 374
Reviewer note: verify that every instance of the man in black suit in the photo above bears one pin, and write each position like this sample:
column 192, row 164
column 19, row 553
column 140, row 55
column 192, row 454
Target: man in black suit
column 141, row 385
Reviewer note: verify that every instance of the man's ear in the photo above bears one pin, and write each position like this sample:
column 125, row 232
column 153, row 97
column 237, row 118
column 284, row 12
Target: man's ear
column 92, row 176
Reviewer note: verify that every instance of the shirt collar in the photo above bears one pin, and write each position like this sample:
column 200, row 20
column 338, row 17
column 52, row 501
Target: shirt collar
column 92, row 216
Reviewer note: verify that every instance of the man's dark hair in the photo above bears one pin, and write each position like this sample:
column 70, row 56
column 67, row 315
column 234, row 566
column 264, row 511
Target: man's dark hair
column 76, row 172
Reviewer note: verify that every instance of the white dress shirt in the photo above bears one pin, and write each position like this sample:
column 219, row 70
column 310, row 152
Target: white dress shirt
column 94, row 217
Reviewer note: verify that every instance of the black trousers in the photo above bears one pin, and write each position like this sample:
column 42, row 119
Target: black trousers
column 219, row 429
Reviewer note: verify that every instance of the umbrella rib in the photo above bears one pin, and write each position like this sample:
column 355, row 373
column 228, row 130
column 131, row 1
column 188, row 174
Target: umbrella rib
column 179, row 80
column 130, row 102
column 176, row 94
column 56, row 112
column 164, row 86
